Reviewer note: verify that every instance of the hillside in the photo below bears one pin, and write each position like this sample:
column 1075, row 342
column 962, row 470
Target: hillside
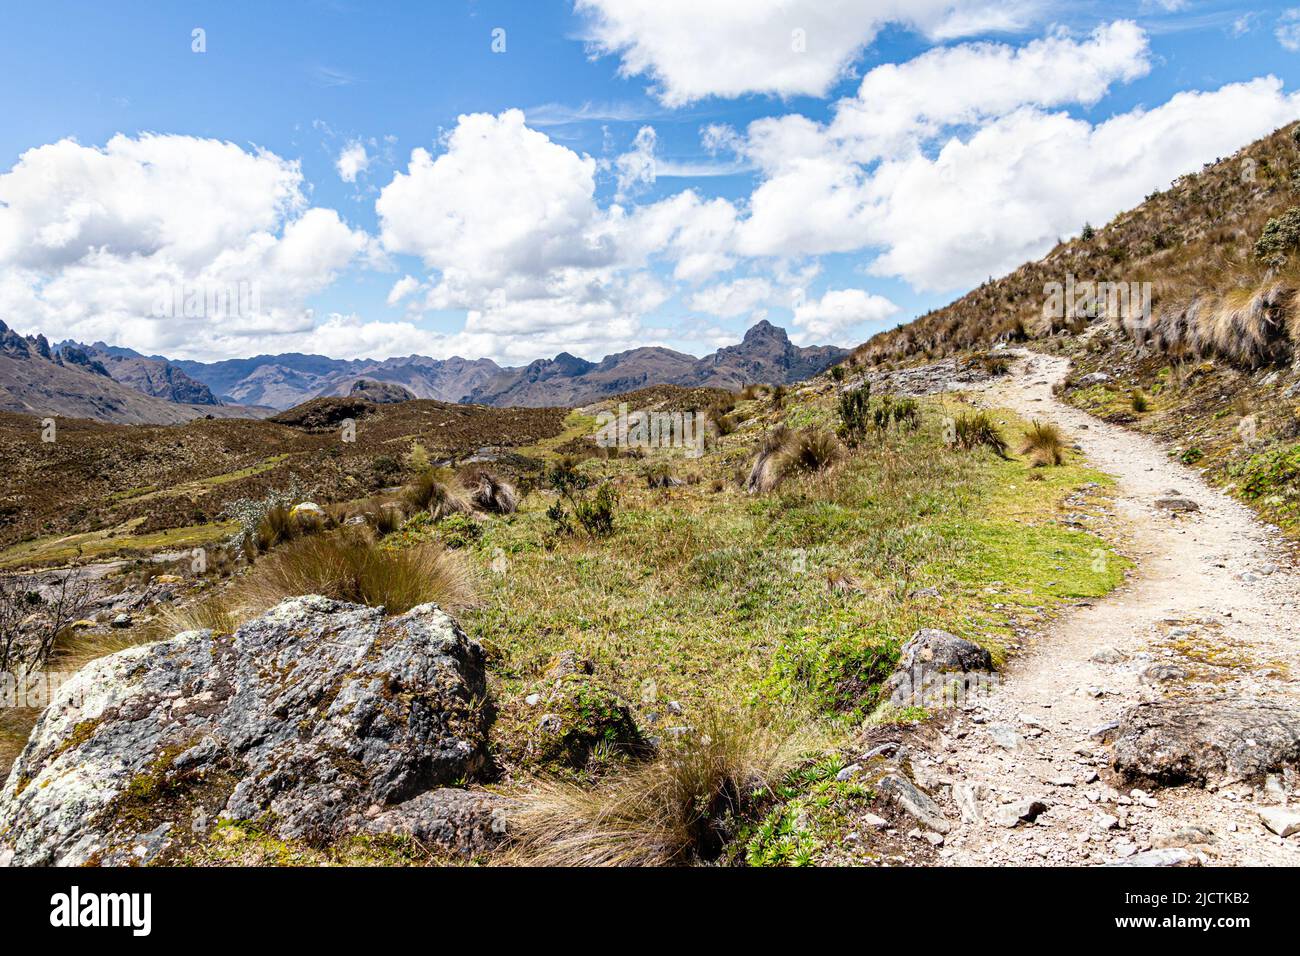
column 36, row 380
column 152, row 376
column 1211, row 367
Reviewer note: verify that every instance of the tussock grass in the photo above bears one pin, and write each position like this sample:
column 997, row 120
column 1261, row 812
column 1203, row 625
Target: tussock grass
column 437, row 492
column 677, row 808
column 785, row 453
column 351, row 567
column 1044, row 443
column 973, row 430
column 489, row 492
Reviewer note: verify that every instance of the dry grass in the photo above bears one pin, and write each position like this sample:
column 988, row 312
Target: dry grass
column 1044, row 443
column 351, row 567
column 489, row 492
column 674, row 809
column 785, row 453
column 437, row 492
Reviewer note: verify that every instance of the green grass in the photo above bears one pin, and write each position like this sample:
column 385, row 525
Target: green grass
column 701, row 595
column 60, row 549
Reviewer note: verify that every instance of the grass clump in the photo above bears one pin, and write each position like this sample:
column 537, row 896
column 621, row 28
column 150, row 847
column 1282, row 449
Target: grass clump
column 436, row 491
column 677, row 808
column 489, row 492
column 1044, row 443
column 971, row 430
column 785, row 453
column 352, row 567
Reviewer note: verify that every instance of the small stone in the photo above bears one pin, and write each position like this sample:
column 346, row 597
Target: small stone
column 1280, row 820
column 935, row 839
column 1022, row 811
column 1105, row 821
column 532, row 700
column 122, row 620
column 1004, row 736
column 1164, row 857
column 849, row 772
column 1184, row 836
column 875, row 822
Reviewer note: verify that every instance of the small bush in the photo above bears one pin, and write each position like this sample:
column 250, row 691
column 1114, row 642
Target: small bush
column 385, row 520
column 973, row 430
column 276, row 527
column 855, row 413
column 594, row 512
column 815, row 450
column 1281, row 237
column 837, row 373
column 1045, row 444
column 1139, row 401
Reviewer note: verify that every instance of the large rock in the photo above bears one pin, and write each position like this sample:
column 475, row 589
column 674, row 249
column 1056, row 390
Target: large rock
column 466, row 823
column 1205, row 741
column 381, row 393
column 936, row 668
column 304, row 720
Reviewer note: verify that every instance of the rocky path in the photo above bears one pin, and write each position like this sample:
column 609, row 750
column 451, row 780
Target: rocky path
column 1211, row 610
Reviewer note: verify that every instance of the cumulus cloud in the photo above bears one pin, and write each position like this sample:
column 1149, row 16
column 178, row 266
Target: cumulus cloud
column 353, row 160
column 839, row 312
column 692, row 49
column 730, row 299
column 171, row 243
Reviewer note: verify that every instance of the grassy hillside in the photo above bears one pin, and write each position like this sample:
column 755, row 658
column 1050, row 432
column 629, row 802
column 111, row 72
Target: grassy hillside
column 1212, row 367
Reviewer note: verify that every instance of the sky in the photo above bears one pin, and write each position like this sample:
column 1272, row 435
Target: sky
column 514, row 179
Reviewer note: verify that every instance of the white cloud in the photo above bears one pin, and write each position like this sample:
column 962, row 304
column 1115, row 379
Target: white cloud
column 97, row 243
column 730, row 299
column 1288, row 29
column 899, row 106
column 838, row 313
column 635, row 169
column 1004, row 196
column 698, row 48
column 402, row 288
column 353, row 160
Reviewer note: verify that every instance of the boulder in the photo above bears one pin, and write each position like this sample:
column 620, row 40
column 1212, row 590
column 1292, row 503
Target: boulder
column 304, row 719
column 917, row 804
column 937, row 668
column 1217, row 740
column 466, row 823
column 1176, row 502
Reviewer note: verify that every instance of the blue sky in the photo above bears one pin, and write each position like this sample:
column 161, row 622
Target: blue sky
column 677, row 172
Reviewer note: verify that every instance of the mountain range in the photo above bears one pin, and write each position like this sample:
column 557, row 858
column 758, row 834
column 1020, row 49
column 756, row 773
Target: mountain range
column 117, row 384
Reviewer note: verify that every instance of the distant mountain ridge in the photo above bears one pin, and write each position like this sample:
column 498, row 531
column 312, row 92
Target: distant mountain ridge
column 765, row 355
column 72, row 382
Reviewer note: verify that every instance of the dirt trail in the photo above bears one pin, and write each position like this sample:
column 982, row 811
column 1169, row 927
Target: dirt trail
column 1213, row 592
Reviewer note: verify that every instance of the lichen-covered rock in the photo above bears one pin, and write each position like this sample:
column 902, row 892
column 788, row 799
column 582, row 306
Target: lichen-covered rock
column 302, row 719
column 467, row 823
column 1205, row 741
column 565, row 717
column 933, row 669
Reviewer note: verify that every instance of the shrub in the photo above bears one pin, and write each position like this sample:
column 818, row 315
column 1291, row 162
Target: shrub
column 1139, row 401
column 973, row 430
column 1281, row 236
column 595, row 512
column 490, row 493
column 417, row 458
column 350, row 566
column 855, row 413
column 30, row 624
column 837, row 373
column 276, row 527
column 459, row 531
column 385, row 519
column 1044, row 442
column 678, row 808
